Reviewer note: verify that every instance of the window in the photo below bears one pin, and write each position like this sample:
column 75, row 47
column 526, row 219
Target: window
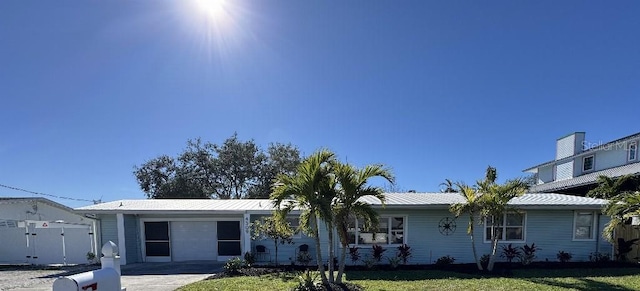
column 156, row 236
column 390, row 231
column 583, row 225
column 294, row 223
column 587, row 163
column 229, row 238
column 633, row 151
column 512, row 230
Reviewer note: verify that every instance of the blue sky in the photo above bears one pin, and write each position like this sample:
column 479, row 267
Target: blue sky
column 432, row 89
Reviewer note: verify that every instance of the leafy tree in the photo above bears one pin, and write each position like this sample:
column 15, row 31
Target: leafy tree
column 280, row 159
column 353, row 186
column 274, row 228
column 162, row 177
column 494, row 201
column 234, row 169
column 472, row 207
column 310, row 189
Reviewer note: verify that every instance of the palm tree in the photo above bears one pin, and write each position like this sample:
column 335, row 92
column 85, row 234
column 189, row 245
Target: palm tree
column 353, row 186
column 471, row 206
column 610, row 187
column 448, row 186
column 620, row 208
column 309, row 189
column 494, row 201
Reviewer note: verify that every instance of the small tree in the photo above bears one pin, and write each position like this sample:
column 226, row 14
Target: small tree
column 274, row 228
column 494, row 204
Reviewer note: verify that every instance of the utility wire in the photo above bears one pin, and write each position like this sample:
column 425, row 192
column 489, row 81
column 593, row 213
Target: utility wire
column 49, row 195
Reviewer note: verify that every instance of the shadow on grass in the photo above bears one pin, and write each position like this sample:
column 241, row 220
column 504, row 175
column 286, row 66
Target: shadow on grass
column 585, row 284
column 413, row 275
column 528, row 274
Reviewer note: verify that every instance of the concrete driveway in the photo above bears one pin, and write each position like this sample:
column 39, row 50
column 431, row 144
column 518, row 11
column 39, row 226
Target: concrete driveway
column 166, row 276
column 135, row 277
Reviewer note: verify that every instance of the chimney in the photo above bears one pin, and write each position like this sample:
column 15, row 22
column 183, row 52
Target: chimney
column 569, row 145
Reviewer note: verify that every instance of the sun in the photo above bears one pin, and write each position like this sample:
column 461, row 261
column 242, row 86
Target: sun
column 215, row 10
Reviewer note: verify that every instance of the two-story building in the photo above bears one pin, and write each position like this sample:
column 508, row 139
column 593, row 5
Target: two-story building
column 578, row 164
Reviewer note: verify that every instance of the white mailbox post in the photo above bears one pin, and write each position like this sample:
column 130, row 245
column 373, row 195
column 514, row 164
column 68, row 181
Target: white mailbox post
column 105, row 279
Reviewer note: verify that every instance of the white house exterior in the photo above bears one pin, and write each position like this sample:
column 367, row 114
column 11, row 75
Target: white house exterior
column 578, row 163
column 41, row 231
column 186, row 229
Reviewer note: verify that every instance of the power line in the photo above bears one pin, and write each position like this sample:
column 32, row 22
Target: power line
column 48, row 195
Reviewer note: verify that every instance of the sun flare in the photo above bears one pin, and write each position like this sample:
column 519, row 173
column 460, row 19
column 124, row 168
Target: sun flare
column 213, row 9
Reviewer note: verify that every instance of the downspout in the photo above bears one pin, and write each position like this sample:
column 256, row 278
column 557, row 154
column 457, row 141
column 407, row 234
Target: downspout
column 597, row 233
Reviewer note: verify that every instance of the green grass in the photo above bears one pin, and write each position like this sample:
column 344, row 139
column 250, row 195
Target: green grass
column 532, row 279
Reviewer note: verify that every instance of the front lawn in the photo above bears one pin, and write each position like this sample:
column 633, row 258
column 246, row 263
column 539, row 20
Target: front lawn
column 523, row 279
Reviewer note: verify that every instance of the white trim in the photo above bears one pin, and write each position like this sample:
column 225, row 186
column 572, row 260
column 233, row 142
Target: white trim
column 122, row 245
column 635, row 151
column 593, row 163
column 593, row 225
column 143, row 240
column 504, row 226
column 246, row 234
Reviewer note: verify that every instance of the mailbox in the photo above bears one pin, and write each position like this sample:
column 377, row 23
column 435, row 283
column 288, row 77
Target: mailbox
column 105, row 279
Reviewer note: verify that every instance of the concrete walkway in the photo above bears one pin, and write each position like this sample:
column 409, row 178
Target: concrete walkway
column 150, row 276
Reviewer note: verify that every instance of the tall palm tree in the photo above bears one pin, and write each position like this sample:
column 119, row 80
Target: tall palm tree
column 494, row 201
column 471, row 206
column 353, row 186
column 310, row 190
column 620, row 208
column 448, row 186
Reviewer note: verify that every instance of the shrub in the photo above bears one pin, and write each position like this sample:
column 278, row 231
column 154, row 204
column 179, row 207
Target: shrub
column 234, row 265
column 624, row 247
column 377, row 252
column 304, row 258
column 598, row 257
column 394, row 262
column 369, row 262
column 510, row 253
column 564, row 257
column 404, row 253
column 354, row 254
column 445, row 261
column 307, row 282
column 249, row 259
column 91, row 257
column 528, row 254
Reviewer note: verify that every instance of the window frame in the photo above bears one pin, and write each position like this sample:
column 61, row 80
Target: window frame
column 166, row 241
column 593, row 163
column 635, row 152
column 297, row 233
column 593, row 235
column 504, row 229
column 388, row 217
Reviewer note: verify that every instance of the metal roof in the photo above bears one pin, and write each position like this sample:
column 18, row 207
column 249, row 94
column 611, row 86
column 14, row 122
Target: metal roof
column 188, row 205
column 630, row 169
column 409, row 200
column 12, row 200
